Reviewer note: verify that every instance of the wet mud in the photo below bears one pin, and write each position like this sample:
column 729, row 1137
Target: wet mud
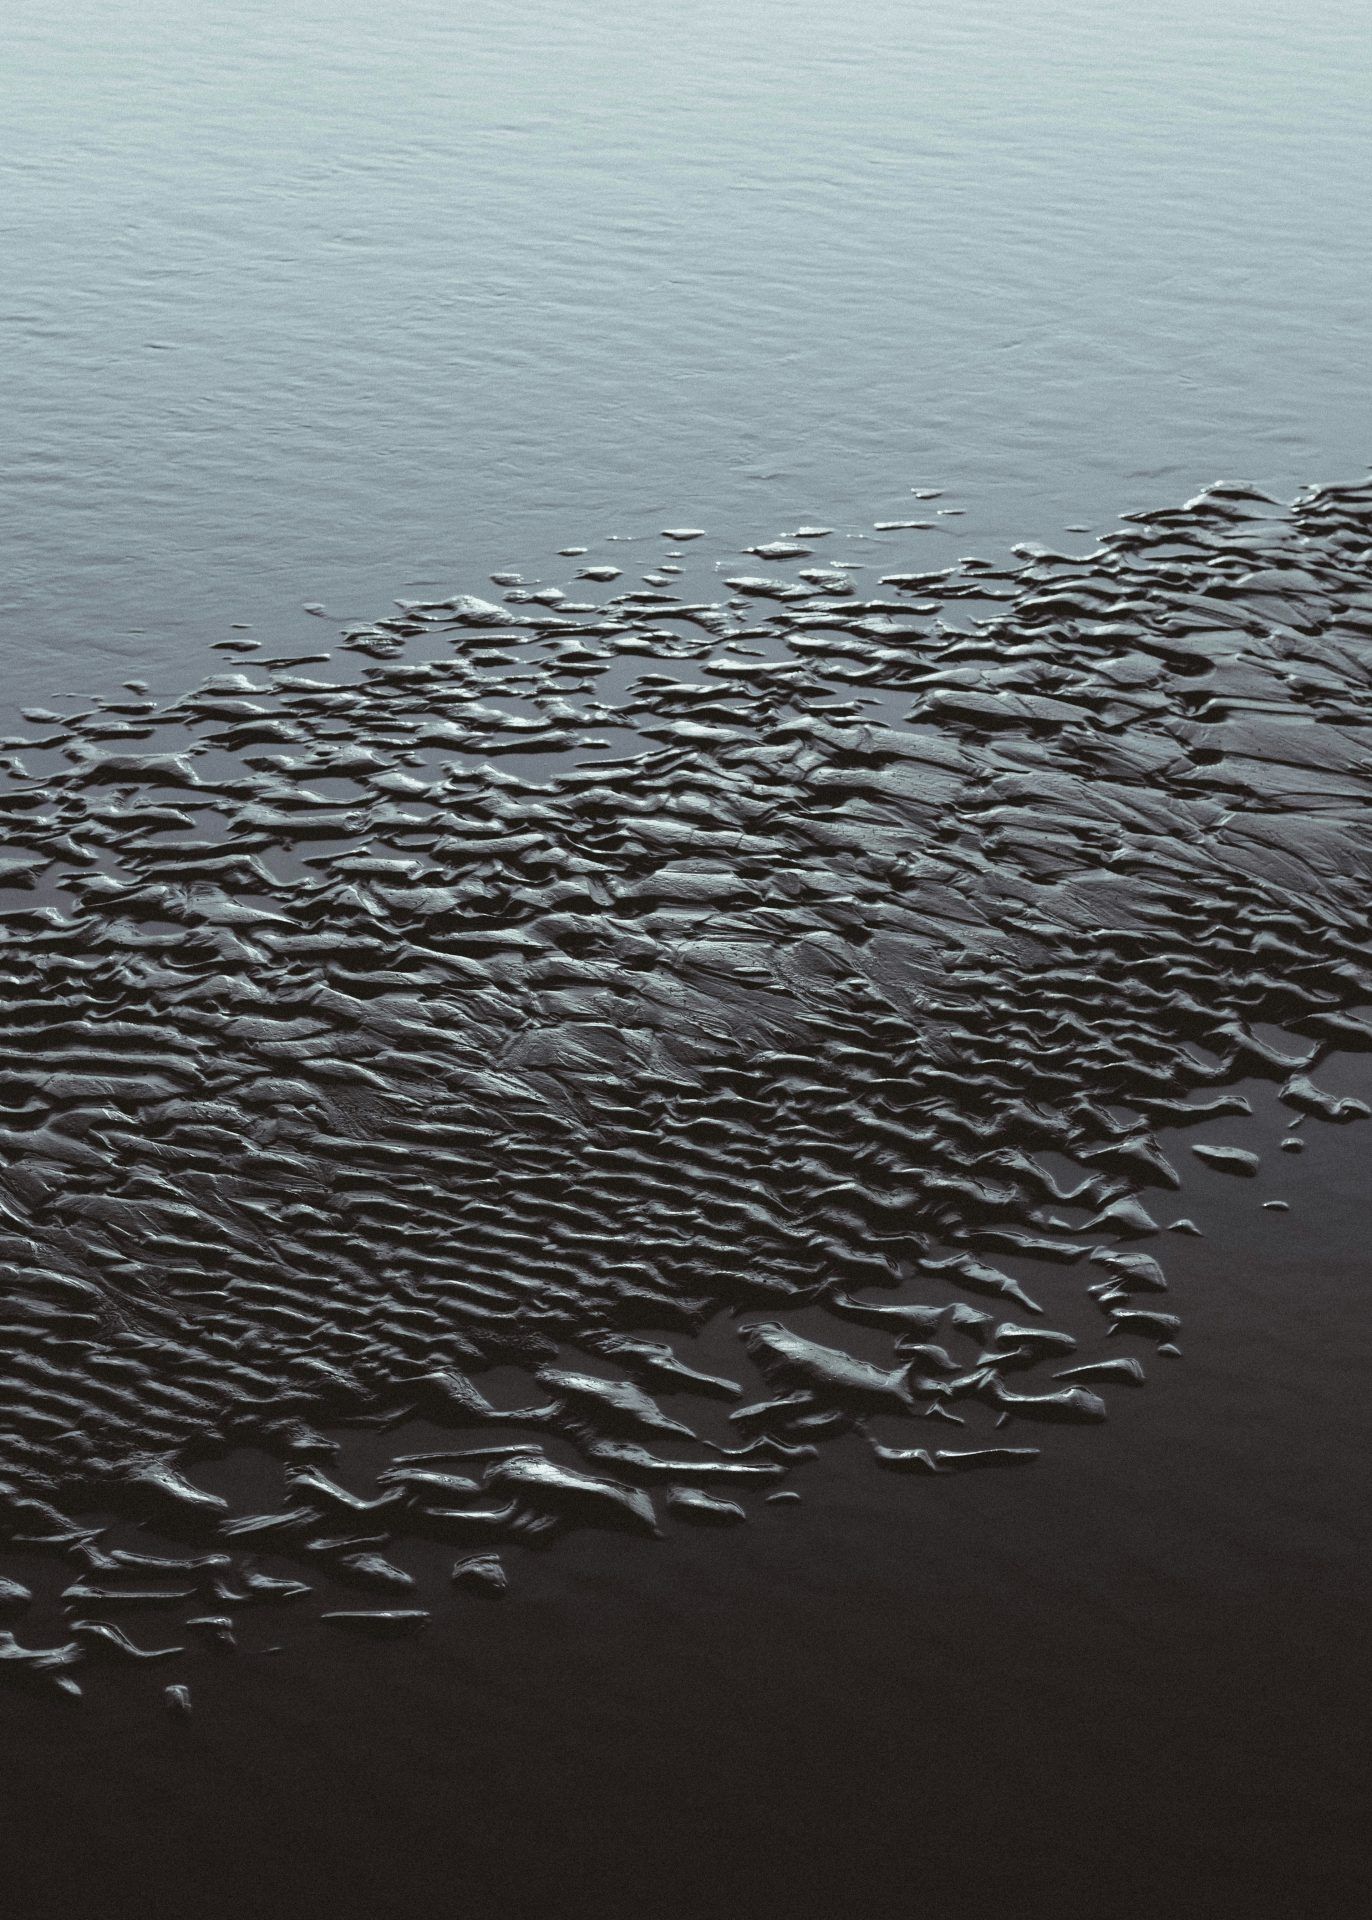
column 557, row 1063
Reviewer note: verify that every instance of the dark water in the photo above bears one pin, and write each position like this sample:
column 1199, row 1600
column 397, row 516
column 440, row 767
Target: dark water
column 1136, row 1690
column 312, row 306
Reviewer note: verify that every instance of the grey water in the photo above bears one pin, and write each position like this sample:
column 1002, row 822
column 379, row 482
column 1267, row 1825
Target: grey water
column 323, row 302
column 320, row 303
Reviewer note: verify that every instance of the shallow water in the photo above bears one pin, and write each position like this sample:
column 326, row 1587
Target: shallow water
column 312, row 305
column 1132, row 1692
column 779, row 1011
column 311, row 302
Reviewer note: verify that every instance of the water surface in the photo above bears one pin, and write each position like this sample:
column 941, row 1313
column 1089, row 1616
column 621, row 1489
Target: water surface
column 307, row 301
column 323, row 304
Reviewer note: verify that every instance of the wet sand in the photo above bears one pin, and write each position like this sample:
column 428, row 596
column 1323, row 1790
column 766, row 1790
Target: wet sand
column 574, row 1065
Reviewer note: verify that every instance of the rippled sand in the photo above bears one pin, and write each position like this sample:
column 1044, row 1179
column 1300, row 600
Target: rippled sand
column 382, row 1053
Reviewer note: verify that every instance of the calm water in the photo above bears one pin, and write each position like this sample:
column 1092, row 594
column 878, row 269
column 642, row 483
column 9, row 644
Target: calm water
column 321, row 302
column 315, row 301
